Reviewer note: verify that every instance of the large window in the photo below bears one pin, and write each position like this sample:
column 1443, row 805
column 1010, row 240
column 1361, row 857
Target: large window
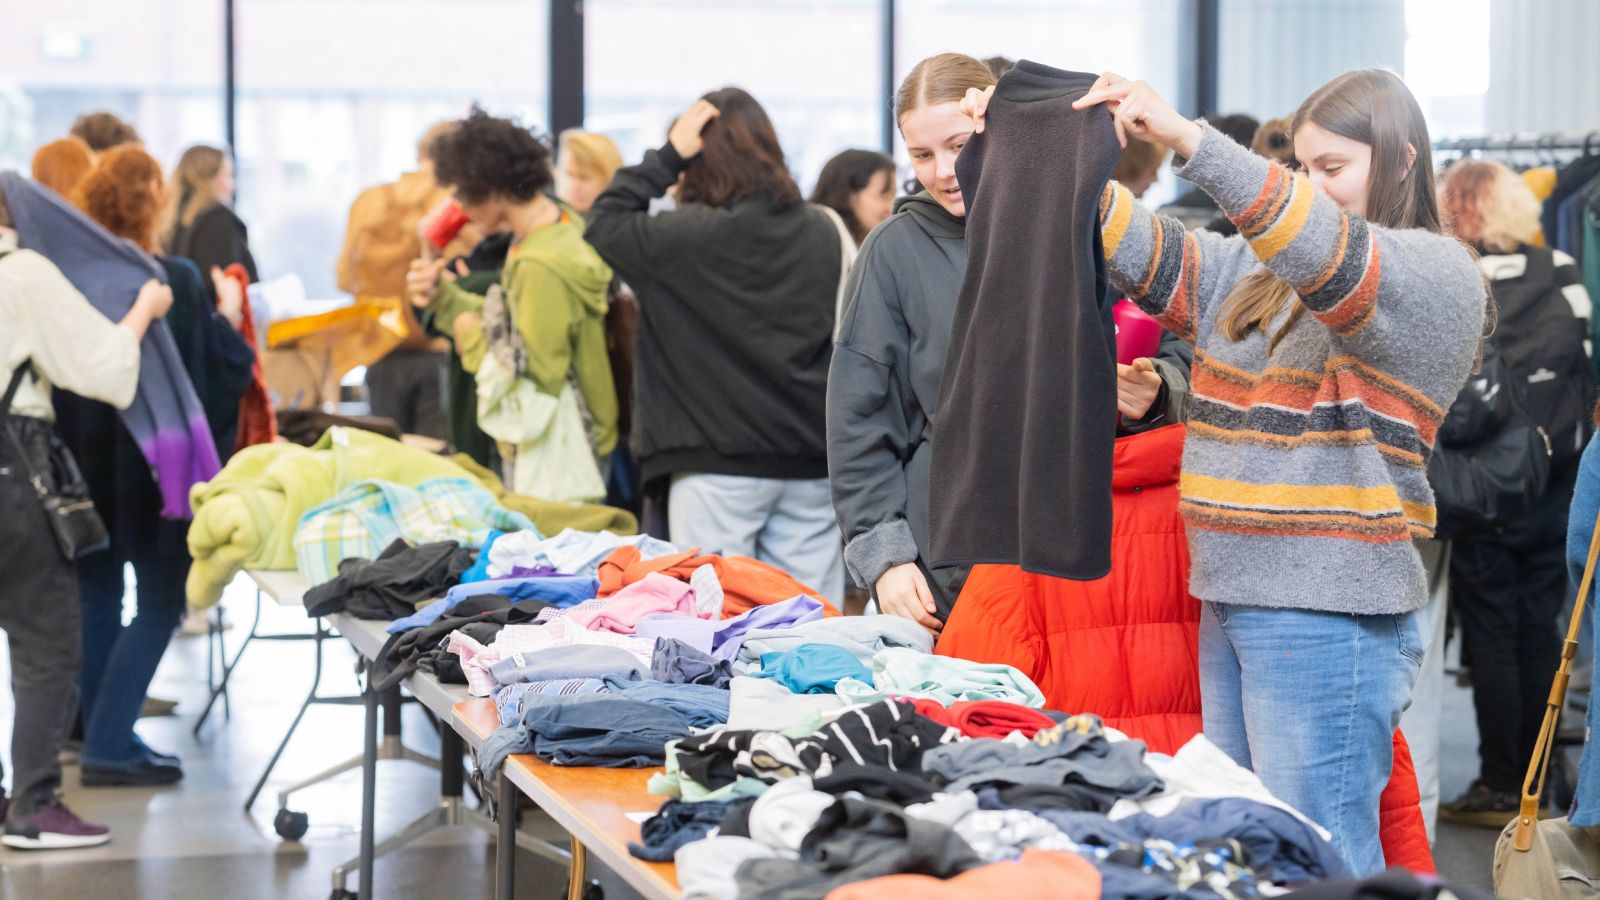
column 155, row 63
column 815, row 65
column 1276, row 52
column 1135, row 38
column 334, row 95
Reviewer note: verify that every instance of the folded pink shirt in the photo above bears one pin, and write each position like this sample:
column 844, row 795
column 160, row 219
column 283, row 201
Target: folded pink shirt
column 653, row 595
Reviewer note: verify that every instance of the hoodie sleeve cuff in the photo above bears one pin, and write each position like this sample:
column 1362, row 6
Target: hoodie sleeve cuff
column 874, row 552
column 669, row 157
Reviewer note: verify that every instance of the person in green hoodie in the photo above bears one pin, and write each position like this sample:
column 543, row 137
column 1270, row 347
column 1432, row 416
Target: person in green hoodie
column 883, row 386
column 536, row 342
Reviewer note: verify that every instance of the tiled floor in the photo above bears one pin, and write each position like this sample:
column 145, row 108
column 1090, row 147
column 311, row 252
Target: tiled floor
column 195, row 840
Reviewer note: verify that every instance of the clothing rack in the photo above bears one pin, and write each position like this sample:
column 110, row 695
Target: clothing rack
column 1549, row 142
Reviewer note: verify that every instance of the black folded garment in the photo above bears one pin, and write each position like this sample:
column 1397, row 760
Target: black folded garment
column 855, row 840
column 391, row 586
column 402, row 654
column 877, row 782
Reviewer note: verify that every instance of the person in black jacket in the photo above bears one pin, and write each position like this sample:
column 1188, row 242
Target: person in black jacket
column 204, row 227
column 1508, row 583
column 736, row 291
column 124, row 194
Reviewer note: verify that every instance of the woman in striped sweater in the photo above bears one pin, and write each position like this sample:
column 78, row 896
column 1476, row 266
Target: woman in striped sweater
column 1331, row 335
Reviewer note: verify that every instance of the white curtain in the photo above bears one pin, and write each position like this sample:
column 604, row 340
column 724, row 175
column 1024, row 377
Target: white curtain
column 1544, row 65
column 1276, row 52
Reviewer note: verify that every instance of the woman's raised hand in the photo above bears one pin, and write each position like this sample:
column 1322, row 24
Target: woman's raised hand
column 976, row 105
column 1138, row 111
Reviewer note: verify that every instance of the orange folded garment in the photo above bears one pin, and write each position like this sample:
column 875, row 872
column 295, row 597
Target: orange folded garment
column 1039, row 875
column 746, row 583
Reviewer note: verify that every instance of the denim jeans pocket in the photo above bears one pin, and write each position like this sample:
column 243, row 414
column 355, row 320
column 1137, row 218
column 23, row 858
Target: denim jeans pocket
column 1219, row 611
column 1408, row 634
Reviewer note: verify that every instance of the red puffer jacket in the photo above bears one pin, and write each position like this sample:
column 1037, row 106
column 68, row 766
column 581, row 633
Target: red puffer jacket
column 1125, row 647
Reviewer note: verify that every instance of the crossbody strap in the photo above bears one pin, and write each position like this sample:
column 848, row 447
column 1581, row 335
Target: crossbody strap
column 6, row 415
column 1539, row 766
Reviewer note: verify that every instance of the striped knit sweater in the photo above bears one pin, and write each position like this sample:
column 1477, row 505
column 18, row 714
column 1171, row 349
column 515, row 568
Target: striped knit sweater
column 1305, row 473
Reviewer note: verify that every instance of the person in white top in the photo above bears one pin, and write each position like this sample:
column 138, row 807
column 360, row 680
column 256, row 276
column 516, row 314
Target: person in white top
column 50, row 328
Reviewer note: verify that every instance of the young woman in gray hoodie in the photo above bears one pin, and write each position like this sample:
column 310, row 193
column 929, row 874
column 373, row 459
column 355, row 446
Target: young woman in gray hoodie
column 883, row 385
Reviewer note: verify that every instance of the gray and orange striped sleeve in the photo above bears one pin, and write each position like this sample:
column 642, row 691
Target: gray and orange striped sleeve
column 1178, row 276
column 1403, row 300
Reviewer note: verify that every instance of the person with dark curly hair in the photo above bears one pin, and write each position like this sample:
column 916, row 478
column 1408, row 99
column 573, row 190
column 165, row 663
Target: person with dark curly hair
column 737, row 289
column 125, row 193
column 536, row 342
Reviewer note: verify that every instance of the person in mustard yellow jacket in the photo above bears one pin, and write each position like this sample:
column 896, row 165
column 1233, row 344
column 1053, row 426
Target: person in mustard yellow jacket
column 379, row 245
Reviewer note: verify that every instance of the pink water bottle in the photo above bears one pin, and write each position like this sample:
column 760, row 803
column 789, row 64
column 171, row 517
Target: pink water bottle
column 1138, row 335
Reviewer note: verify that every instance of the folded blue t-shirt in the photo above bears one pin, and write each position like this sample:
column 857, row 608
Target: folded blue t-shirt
column 556, row 590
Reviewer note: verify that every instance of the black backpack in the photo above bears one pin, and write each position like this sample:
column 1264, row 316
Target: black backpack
column 1541, row 341
column 1492, row 461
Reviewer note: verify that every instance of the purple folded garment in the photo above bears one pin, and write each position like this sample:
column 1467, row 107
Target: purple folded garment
column 166, row 419
column 723, row 639
column 533, row 572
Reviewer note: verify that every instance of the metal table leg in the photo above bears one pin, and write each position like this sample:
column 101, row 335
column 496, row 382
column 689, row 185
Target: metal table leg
column 311, row 697
column 216, row 648
column 576, row 874
column 505, row 845
column 369, row 789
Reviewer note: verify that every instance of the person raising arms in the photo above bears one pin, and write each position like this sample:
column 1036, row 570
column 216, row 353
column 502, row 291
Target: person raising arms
column 1331, row 335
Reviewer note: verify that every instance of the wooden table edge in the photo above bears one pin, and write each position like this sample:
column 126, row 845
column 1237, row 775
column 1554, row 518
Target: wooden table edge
column 658, row 881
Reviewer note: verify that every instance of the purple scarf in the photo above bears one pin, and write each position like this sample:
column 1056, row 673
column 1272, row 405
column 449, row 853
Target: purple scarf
column 166, row 418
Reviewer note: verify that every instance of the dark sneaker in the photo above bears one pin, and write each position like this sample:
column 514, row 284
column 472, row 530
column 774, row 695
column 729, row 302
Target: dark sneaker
column 52, row 828
column 1482, row 805
column 145, row 773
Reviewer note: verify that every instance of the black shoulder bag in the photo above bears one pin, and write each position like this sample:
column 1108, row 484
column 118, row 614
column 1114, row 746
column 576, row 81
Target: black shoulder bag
column 62, row 491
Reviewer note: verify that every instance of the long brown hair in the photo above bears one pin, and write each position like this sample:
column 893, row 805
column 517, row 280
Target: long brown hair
column 939, row 79
column 741, row 158
column 191, row 192
column 117, row 194
column 1374, row 107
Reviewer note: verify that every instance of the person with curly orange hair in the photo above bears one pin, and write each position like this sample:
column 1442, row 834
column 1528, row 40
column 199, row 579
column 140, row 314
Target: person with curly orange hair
column 126, row 193
column 61, row 165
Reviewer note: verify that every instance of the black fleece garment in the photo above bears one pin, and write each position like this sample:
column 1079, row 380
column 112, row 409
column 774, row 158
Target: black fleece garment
column 1028, row 406
column 391, row 586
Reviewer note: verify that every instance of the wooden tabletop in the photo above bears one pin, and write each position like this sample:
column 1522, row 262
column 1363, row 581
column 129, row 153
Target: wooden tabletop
column 591, row 803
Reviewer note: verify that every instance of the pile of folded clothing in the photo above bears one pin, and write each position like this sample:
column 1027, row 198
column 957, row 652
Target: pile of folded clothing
column 806, row 754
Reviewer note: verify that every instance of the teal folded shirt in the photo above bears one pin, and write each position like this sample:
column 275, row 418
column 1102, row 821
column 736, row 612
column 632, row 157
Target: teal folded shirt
column 899, row 672
column 812, row 668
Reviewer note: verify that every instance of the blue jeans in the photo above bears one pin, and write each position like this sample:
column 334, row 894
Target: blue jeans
column 1309, row 701
column 120, row 660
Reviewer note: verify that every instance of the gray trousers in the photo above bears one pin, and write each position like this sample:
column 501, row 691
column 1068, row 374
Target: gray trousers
column 39, row 613
column 786, row 522
column 1420, row 723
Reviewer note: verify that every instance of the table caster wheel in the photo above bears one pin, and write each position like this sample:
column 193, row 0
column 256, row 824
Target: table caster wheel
column 291, row 826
